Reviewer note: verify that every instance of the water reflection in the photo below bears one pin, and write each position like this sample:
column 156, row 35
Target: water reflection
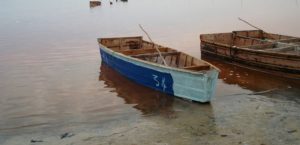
column 145, row 99
column 256, row 81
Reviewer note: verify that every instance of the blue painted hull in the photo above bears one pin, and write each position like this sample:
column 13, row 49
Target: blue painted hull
column 145, row 76
column 194, row 86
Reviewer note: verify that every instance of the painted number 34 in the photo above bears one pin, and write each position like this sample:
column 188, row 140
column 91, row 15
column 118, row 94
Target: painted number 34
column 160, row 83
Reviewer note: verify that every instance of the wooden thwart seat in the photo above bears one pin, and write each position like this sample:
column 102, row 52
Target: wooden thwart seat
column 260, row 46
column 154, row 54
column 141, row 51
column 245, row 37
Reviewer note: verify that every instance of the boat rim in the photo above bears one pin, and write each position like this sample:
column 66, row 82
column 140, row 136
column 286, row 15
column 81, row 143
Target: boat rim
column 248, row 49
column 159, row 65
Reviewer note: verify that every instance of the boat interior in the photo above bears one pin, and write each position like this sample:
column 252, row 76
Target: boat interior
column 257, row 40
column 138, row 48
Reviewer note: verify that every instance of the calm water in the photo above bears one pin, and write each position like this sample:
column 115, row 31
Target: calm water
column 52, row 80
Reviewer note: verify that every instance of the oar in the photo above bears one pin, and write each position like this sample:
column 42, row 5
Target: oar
column 253, row 25
column 249, row 24
column 155, row 46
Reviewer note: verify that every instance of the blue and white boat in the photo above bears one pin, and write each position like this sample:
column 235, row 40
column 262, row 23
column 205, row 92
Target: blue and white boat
column 160, row 68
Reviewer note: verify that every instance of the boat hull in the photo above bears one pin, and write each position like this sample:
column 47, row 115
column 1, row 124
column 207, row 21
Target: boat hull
column 193, row 86
column 267, row 61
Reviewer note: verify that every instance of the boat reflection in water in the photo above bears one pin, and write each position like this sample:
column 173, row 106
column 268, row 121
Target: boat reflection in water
column 147, row 100
column 257, row 81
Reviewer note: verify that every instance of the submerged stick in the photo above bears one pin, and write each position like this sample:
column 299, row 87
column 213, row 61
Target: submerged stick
column 154, row 45
column 254, row 93
column 263, row 92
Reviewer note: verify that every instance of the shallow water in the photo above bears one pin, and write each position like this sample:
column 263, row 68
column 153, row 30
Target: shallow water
column 52, row 80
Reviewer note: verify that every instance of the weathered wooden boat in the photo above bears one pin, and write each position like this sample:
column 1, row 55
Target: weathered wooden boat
column 143, row 62
column 271, row 52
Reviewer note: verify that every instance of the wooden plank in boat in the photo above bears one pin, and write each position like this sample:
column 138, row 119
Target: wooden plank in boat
column 282, row 49
column 154, row 54
column 290, row 40
column 261, row 46
column 141, row 51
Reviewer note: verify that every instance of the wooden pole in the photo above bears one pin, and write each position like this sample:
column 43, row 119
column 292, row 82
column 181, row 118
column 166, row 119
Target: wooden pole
column 249, row 24
column 155, row 46
column 254, row 26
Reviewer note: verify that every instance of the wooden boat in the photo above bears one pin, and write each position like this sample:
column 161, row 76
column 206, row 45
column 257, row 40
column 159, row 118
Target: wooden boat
column 95, row 3
column 139, row 60
column 271, row 52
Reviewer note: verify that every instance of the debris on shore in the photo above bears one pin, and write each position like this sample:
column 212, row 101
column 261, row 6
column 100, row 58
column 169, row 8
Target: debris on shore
column 292, row 131
column 65, row 135
column 35, row 141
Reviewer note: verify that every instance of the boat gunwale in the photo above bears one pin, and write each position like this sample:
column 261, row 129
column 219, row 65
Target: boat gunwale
column 287, row 55
column 99, row 39
column 202, row 72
